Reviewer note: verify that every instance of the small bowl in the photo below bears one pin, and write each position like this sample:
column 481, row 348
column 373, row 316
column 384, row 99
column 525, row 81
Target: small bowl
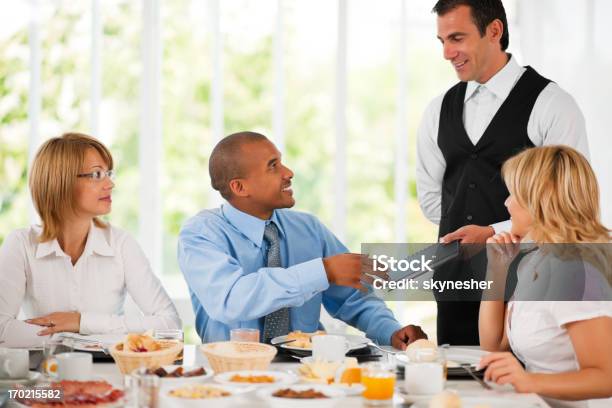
column 334, row 394
column 230, row 400
column 177, row 380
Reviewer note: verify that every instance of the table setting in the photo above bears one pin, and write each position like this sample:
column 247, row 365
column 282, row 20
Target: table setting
column 158, row 371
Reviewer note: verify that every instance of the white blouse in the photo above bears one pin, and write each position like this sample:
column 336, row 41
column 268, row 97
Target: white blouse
column 536, row 329
column 40, row 278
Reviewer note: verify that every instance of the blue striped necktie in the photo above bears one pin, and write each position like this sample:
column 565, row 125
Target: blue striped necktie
column 277, row 322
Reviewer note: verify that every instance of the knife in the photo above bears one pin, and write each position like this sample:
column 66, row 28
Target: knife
column 467, row 367
column 283, row 342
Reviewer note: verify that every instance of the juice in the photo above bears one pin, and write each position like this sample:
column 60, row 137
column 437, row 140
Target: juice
column 380, row 387
column 244, row 334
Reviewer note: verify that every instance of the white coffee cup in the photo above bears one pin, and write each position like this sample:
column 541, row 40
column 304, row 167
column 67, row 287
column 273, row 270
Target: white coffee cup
column 328, row 347
column 14, row 363
column 74, row 366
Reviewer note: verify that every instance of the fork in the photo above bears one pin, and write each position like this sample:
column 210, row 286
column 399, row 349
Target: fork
column 467, row 367
column 377, row 347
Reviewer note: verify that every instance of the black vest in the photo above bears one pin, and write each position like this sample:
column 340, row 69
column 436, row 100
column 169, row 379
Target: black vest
column 473, row 191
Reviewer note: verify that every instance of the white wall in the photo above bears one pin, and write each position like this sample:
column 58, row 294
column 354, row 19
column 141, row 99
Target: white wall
column 568, row 42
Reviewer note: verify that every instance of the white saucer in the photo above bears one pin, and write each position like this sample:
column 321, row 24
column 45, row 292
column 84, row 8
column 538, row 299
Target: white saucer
column 353, row 389
column 31, row 379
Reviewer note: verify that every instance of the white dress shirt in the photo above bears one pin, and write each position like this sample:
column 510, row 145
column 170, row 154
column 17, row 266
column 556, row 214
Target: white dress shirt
column 555, row 119
column 536, row 329
column 40, row 278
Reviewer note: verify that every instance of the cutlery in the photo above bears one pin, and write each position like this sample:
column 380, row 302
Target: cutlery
column 406, row 400
column 376, row 346
column 283, row 342
column 467, row 367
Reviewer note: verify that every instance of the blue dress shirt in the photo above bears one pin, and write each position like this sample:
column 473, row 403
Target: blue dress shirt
column 222, row 255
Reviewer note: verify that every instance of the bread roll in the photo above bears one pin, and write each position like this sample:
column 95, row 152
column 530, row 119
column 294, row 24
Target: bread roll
column 414, row 354
column 445, row 399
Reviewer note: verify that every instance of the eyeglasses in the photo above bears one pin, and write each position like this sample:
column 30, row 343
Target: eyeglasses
column 99, row 175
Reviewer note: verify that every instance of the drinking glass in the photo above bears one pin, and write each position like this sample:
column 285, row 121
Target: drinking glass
column 379, row 382
column 171, row 335
column 426, row 372
column 244, row 334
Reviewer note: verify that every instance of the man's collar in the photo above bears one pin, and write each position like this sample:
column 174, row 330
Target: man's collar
column 501, row 83
column 249, row 225
column 96, row 242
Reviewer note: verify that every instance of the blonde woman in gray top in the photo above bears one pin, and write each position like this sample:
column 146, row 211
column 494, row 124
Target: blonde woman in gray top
column 564, row 345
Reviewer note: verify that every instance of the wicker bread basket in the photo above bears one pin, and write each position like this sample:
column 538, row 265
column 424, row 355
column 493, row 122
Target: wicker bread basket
column 238, row 355
column 129, row 361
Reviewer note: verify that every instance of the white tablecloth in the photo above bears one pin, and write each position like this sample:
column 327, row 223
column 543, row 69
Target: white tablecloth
column 192, row 356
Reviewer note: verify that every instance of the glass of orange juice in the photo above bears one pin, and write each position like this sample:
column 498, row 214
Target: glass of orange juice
column 379, row 382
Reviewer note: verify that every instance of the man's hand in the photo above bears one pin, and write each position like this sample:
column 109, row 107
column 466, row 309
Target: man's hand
column 469, row 234
column 58, row 322
column 349, row 270
column 406, row 335
column 504, row 368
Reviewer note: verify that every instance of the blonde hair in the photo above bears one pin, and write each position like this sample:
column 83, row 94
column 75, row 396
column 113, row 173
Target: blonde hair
column 558, row 188
column 53, row 177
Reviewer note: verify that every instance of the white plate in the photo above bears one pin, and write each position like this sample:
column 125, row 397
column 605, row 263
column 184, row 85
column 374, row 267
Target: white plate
column 182, row 380
column 90, row 348
column 280, row 378
column 334, row 394
column 117, row 404
column 454, row 357
column 475, row 402
column 353, row 389
column 73, row 340
column 236, row 393
column 32, row 378
column 349, row 389
column 459, row 355
column 355, row 342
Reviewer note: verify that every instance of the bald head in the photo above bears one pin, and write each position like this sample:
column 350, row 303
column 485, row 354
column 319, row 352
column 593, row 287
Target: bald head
column 225, row 164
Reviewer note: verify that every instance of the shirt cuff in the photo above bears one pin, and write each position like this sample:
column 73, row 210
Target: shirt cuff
column 312, row 278
column 385, row 332
column 502, row 226
column 92, row 323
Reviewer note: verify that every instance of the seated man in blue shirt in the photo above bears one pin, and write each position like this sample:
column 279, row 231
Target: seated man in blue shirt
column 252, row 263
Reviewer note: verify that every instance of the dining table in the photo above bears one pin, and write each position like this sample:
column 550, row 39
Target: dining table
column 465, row 388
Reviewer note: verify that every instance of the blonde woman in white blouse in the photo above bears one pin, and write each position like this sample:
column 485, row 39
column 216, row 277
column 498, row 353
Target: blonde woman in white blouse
column 564, row 345
column 72, row 272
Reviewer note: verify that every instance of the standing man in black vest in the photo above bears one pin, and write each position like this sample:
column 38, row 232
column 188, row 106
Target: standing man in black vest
column 498, row 109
